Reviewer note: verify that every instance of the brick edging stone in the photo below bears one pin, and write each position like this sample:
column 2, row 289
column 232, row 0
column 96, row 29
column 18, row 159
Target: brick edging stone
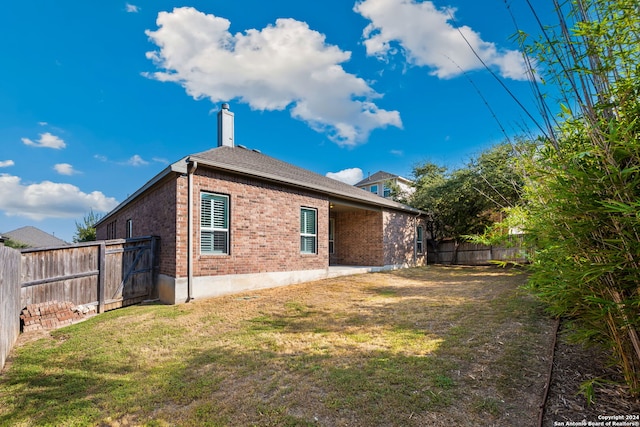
column 53, row 314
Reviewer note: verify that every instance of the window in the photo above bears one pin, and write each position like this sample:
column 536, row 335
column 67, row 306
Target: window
column 386, row 191
column 214, row 224
column 332, row 227
column 308, row 231
column 419, row 239
column 129, row 229
column 374, row 189
column 111, row 229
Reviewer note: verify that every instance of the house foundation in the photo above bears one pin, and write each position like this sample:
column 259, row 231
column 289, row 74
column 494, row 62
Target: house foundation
column 174, row 290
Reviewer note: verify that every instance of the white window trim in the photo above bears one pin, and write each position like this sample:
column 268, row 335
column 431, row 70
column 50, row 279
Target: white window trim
column 313, row 235
column 419, row 240
column 332, row 236
column 213, row 229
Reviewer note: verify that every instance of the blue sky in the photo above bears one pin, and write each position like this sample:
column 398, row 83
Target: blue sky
column 98, row 97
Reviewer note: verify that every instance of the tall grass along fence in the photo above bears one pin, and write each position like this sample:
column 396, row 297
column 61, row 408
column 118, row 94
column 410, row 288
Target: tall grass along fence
column 469, row 253
column 9, row 300
column 106, row 274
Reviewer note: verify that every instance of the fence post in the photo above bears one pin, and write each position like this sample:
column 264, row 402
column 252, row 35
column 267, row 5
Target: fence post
column 102, row 271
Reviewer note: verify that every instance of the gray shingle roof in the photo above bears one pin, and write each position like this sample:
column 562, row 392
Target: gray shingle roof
column 34, row 237
column 243, row 161
column 252, row 163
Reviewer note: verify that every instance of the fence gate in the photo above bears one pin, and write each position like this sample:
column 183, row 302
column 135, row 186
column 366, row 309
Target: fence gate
column 108, row 274
column 129, row 273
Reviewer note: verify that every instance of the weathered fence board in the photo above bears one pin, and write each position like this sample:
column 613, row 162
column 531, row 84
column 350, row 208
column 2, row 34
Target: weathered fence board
column 476, row 254
column 108, row 274
column 130, row 277
column 9, row 300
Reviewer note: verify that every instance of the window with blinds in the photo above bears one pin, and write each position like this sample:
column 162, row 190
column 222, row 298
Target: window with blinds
column 214, row 224
column 308, row 231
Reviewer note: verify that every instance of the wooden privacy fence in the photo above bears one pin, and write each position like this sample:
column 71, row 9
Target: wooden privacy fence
column 9, row 300
column 476, row 254
column 108, row 274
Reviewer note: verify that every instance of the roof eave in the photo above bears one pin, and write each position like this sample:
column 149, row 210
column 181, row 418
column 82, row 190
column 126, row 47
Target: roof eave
column 301, row 184
column 177, row 167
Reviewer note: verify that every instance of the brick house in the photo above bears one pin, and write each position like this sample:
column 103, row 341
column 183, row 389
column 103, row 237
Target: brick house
column 232, row 219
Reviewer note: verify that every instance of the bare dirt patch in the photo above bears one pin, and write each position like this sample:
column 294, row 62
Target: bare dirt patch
column 575, row 365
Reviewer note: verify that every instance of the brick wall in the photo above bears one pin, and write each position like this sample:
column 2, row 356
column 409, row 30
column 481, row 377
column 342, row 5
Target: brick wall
column 399, row 239
column 181, row 244
column 153, row 213
column 358, row 238
column 264, row 226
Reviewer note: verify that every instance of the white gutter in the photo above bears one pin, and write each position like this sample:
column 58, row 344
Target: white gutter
column 191, row 168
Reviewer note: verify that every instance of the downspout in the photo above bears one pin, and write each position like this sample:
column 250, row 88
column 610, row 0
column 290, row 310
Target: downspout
column 191, row 168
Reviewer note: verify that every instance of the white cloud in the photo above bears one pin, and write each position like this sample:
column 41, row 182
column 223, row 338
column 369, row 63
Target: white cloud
column 429, row 38
column 6, row 163
column 46, row 140
column 136, row 160
column 398, row 153
column 349, row 176
column 131, row 8
column 65, row 169
column 49, row 199
column 286, row 65
column 160, row 160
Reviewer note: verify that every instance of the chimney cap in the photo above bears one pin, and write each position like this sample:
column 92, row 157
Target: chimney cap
column 225, row 126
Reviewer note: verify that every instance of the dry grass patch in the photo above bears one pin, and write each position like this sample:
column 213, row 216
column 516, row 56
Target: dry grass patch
column 425, row 346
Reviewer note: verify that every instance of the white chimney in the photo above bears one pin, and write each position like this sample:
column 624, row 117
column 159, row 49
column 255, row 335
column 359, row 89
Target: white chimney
column 225, row 126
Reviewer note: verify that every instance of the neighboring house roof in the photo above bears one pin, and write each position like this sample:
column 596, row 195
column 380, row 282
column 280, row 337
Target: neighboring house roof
column 242, row 161
column 34, row 237
column 381, row 176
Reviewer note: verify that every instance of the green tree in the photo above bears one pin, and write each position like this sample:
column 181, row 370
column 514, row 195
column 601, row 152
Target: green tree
column 10, row 243
column 429, row 180
column 583, row 178
column 497, row 176
column 395, row 192
column 467, row 200
column 86, row 231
